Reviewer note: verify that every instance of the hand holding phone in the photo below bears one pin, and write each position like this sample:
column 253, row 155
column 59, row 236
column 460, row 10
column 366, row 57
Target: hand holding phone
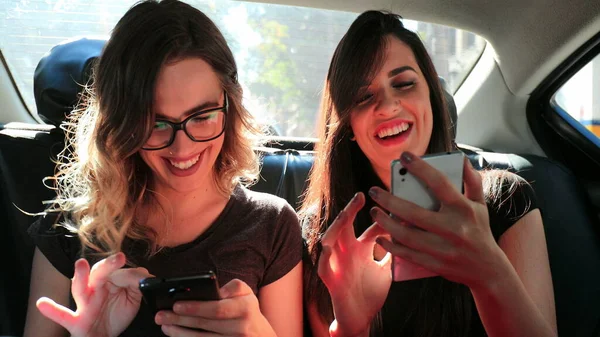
column 237, row 314
column 161, row 294
column 408, row 187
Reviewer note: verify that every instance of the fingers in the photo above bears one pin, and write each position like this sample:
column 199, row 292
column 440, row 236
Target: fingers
column 57, row 313
column 472, row 183
column 177, row 331
column 235, row 288
column 238, row 301
column 409, row 212
column 386, row 262
column 104, row 268
column 424, row 260
column 129, row 278
column 79, row 284
column 223, row 327
column 437, row 182
column 341, row 229
column 328, row 267
column 411, row 237
column 87, row 285
column 225, row 317
column 374, row 231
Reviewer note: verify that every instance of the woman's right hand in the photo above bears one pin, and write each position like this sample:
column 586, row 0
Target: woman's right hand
column 107, row 298
column 357, row 283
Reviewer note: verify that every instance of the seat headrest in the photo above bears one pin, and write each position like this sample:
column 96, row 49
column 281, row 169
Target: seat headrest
column 451, row 106
column 60, row 75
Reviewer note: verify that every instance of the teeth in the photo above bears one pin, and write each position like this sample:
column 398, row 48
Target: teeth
column 184, row 165
column 393, row 130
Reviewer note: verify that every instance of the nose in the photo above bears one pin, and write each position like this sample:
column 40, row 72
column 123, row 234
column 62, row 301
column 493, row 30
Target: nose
column 180, row 143
column 388, row 104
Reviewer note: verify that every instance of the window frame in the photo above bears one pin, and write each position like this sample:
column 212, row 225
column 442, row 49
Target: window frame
column 560, row 135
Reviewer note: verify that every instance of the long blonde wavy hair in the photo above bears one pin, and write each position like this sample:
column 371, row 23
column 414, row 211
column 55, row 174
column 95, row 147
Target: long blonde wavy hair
column 102, row 181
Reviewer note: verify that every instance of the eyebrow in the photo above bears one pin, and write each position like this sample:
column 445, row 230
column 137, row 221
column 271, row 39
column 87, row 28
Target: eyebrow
column 195, row 109
column 399, row 70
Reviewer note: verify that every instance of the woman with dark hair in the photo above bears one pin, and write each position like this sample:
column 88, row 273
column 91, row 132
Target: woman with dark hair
column 383, row 101
column 153, row 178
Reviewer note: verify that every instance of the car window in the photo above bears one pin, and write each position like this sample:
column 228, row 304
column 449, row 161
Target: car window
column 578, row 100
column 282, row 65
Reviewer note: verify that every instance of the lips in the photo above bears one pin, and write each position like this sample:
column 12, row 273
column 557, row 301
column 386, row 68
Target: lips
column 392, row 128
column 183, row 167
column 393, row 132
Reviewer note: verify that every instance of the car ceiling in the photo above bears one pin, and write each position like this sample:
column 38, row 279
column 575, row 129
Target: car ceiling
column 530, row 37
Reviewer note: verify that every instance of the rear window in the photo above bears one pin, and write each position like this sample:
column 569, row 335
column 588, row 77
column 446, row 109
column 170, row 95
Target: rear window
column 281, row 64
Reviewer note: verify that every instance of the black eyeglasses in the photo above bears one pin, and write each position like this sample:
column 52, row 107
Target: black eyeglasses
column 202, row 126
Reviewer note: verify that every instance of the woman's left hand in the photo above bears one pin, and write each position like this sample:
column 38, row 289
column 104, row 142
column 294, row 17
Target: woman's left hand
column 236, row 314
column 454, row 242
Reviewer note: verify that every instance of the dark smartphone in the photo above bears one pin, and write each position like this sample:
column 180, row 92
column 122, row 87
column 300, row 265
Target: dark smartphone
column 162, row 293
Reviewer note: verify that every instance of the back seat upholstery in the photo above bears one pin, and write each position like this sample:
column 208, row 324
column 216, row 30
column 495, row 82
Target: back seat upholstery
column 570, row 224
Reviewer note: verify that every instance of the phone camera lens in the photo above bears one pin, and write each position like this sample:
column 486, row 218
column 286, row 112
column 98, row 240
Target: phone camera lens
column 403, row 171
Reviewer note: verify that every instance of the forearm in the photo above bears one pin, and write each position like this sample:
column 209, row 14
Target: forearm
column 506, row 309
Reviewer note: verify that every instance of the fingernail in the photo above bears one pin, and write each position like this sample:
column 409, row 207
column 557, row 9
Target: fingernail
column 166, row 329
column 158, row 319
column 373, row 192
column 79, row 270
column 470, row 164
column 78, row 266
column 407, row 158
column 354, row 198
column 179, row 307
column 373, row 212
column 113, row 258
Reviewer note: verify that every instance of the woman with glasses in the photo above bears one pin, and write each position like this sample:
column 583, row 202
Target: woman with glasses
column 152, row 183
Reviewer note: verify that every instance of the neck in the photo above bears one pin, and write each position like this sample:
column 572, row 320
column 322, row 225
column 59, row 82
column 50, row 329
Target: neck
column 188, row 214
column 384, row 175
column 182, row 203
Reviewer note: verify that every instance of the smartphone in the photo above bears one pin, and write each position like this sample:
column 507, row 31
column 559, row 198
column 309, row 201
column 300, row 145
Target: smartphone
column 408, row 187
column 162, row 293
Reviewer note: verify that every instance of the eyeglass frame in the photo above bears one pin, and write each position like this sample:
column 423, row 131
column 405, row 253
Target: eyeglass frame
column 182, row 125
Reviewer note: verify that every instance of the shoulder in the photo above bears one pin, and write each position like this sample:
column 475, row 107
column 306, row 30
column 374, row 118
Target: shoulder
column 509, row 197
column 502, row 187
column 264, row 203
column 52, row 224
column 53, row 234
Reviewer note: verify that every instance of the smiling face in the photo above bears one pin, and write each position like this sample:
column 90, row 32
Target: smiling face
column 182, row 89
column 393, row 113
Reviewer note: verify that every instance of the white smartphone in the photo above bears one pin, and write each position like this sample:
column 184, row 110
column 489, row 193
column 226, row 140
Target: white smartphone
column 408, row 187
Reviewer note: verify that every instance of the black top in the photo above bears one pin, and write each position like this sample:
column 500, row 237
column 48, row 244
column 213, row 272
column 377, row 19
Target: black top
column 255, row 239
column 440, row 305
column 434, row 306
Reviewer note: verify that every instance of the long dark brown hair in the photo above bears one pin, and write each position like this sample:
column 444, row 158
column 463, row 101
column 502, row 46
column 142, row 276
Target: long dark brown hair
column 341, row 168
column 102, row 180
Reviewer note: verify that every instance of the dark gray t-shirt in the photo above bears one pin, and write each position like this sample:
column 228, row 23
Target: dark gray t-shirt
column 255, row 239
